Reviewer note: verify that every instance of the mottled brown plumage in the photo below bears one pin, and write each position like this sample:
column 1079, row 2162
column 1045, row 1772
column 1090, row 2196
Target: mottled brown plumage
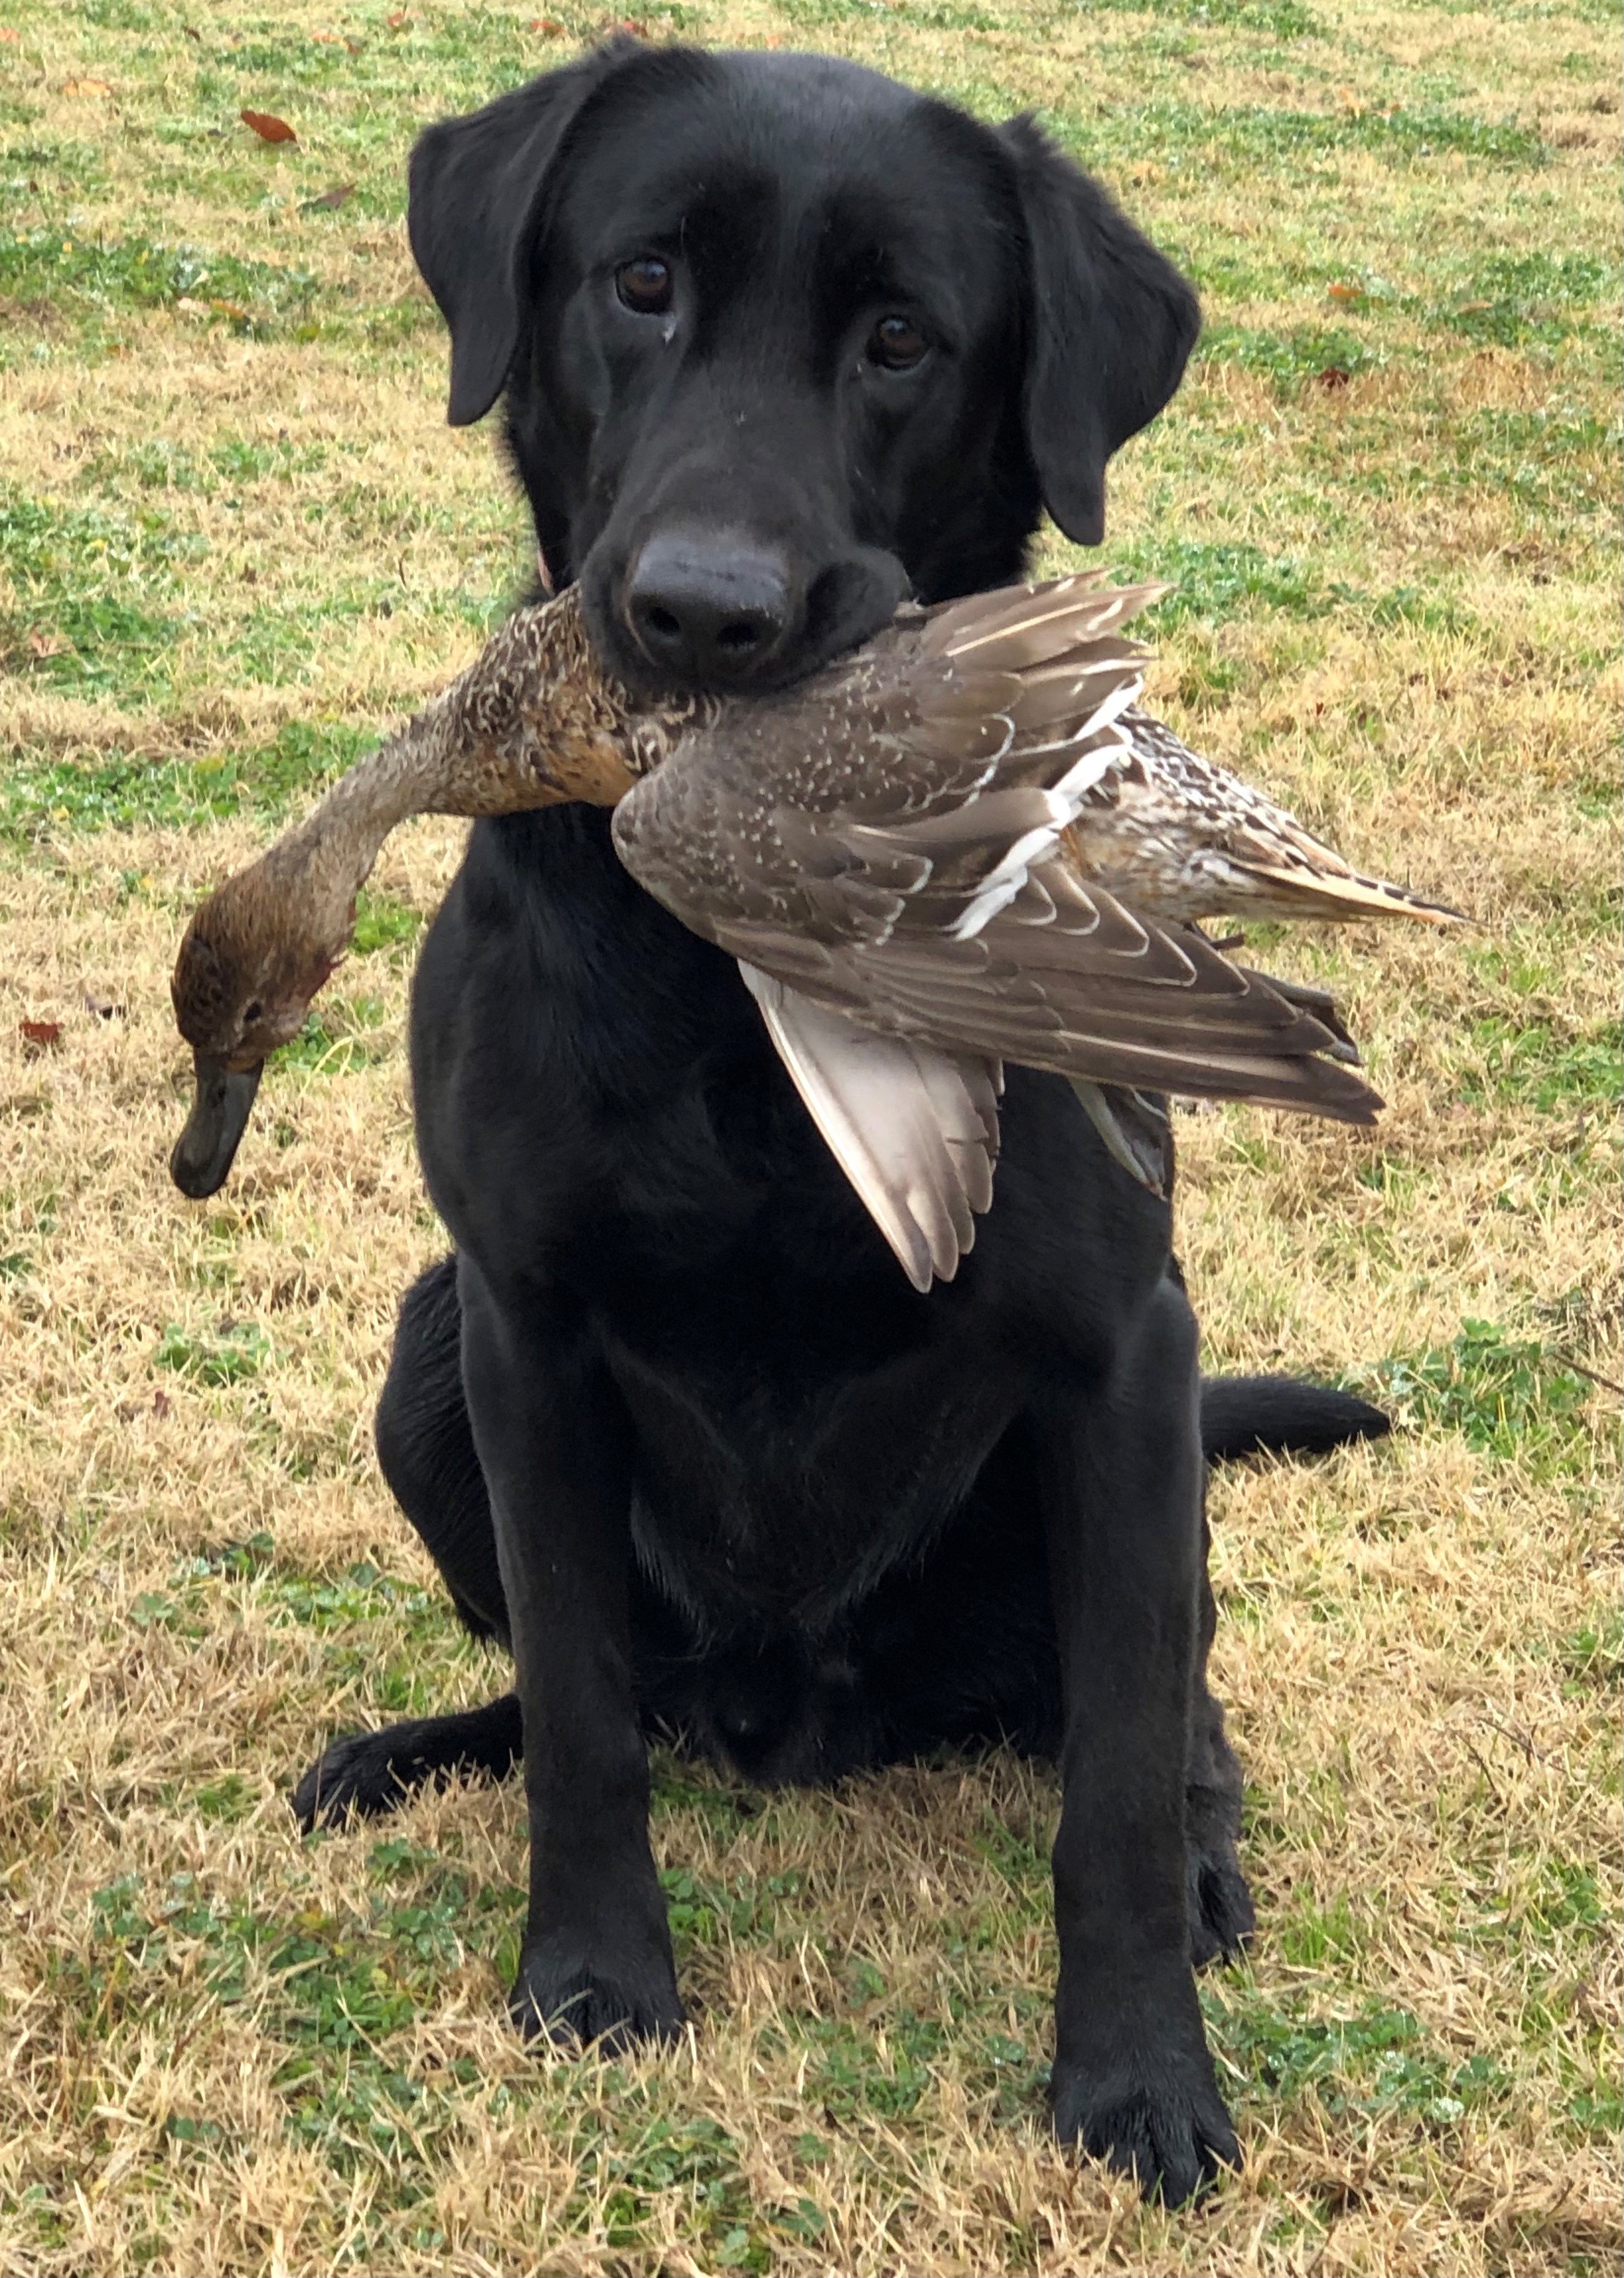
column 532, row 722
column 960, row 846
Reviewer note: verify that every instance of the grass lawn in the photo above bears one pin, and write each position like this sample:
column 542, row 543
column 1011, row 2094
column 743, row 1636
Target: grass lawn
column 236, row 539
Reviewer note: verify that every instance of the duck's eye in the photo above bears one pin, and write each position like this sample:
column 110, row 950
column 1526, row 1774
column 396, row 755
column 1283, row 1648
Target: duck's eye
column 254, row 1011
column 897, row 343
column 645, row 286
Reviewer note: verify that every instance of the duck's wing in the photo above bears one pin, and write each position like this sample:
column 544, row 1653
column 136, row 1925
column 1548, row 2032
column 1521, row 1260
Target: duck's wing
column 1067, row 978
column 915, row 1130
column 963, row 928
column 967, row 755
column 926, row 775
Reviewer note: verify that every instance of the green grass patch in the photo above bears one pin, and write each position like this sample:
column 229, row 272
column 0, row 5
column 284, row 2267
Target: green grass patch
column 1535, row 1063
column 1241, row 138
column 383, row 923
column 1282, row 20
column 1593, row 1656
column 882, row 2071
column 384, row 1641
column 1315, row 1936
column 1506, row 1396
column 229, row 1355
column 704, row 1912
column 1212, row 581
column 361, row 1594
column 40, row 798
column 330, row 1993
column 88, row 587
column 1516, row 297
column 88, row 281
column 696, row 2160
column 338, row 1039
column 1292, row 359
column 1556, row 460
column 1379, row 2060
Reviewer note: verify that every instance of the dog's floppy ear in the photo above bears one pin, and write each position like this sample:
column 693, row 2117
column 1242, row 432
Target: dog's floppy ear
column 476, row 186
column 1111, row 325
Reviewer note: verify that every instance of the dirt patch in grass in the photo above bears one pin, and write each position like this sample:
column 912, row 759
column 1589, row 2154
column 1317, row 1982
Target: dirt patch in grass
column 236, row 538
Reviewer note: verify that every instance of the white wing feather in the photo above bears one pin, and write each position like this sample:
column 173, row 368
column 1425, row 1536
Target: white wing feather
column 915, row 1130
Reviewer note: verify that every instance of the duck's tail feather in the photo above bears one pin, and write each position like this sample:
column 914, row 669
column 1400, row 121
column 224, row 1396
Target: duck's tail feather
column 1320, row 1005
column 1308, row 892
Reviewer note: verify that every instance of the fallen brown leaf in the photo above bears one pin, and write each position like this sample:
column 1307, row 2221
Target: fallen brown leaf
column 1347, row 293
column 397, row 21
column 268, row 127
column 40, row 1034
column 9, row 36
column 1331, row 379
column 85, row 87
column 48, row 644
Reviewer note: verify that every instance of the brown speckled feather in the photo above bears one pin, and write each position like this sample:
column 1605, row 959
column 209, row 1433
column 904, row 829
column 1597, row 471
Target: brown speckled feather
column 889, row 846
column 1182, row 838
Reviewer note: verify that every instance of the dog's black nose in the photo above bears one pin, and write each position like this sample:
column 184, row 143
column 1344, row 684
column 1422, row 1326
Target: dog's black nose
column 710, row 608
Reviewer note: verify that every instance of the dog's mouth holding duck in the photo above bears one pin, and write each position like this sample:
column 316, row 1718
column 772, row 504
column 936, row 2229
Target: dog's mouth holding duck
column 960, row 844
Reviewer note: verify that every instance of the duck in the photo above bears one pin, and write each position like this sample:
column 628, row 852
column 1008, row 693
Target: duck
column 963, row 843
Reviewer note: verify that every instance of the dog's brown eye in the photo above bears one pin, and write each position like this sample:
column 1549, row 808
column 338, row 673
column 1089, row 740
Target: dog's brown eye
column 645, row 286
column 897, row 343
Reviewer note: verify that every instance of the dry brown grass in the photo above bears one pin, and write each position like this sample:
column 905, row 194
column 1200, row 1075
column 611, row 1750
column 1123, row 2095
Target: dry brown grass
column 229, row 2050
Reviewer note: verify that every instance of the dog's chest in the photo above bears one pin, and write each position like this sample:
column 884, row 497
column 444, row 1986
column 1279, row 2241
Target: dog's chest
column 800, row 1415
column 601, row 1113
column 770, row 1476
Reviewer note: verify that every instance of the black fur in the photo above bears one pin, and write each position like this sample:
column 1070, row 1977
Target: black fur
column 672, row 1422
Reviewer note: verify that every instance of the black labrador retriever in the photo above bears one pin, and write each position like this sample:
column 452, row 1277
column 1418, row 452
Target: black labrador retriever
column 780, row 340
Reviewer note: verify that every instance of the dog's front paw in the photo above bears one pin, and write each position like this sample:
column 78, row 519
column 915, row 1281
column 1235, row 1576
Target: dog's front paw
column 1161, row 2120
column 363, row 1773
column 612, row 1994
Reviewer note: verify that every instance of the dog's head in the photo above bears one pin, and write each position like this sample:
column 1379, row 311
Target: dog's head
column 781, row 340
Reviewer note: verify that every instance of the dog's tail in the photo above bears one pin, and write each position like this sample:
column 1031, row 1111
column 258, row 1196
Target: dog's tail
column 1280, row 1415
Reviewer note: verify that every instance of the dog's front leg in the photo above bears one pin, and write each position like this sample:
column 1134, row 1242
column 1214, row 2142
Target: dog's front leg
column 1120, row 1469
column 554, row 1443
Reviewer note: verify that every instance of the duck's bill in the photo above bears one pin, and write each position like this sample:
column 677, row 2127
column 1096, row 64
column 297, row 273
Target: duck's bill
column 205, row 1149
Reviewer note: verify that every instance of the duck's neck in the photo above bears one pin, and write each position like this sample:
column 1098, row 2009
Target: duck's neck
column 322, row 863
column 531, row 723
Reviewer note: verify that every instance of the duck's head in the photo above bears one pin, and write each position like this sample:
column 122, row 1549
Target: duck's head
column 243, row 981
